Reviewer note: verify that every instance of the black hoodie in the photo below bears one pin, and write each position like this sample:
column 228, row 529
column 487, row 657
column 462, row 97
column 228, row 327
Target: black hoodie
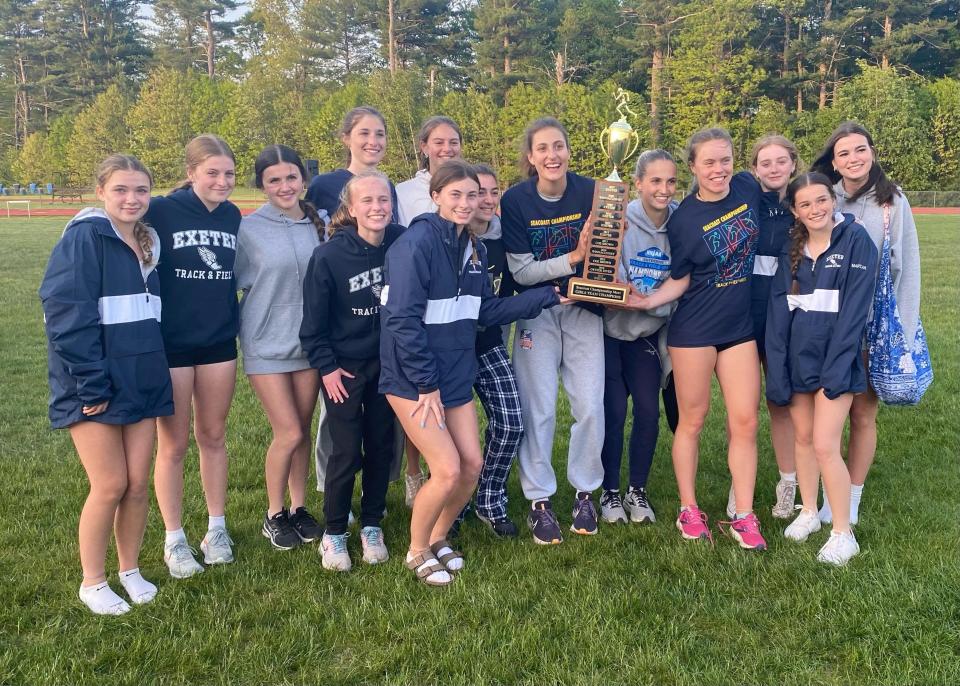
column 341, row 299
column 197, row 286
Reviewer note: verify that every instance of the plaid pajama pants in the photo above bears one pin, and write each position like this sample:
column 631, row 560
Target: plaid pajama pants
column 496, row 387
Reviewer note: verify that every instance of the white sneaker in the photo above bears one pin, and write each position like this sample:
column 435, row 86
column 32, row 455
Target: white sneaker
column 335, row 554
column 800, row 528
column 839, row 548
column 180, row 560
column 216, row 547
column 412, row 486
column 786, row 499
column 374, row 549
column 611, row 508
column 731, row 504
column 639, row 507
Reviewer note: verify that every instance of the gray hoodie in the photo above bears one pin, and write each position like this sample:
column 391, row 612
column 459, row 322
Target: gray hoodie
column 644, row 262
column 273, row 251
column 904, row 249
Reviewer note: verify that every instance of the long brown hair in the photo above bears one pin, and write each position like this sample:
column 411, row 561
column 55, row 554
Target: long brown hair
column 799, row 235
column 352, row 118
column 201, row 148
column 449, row 172
column 104, row 171
column 424, row 135
column 535, row 127
column 279, row 154
column 884, row 189
column 342, row 218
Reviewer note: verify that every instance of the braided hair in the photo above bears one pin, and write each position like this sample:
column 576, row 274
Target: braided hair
column 282, row 154
column 105, row 170
column 799, row 235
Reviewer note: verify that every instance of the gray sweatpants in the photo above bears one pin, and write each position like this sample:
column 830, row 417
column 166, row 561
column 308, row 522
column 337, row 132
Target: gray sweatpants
column 568, row 339
column 324, row 446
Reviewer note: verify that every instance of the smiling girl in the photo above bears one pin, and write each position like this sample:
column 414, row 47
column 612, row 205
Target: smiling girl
column 437, row 293
column 341, row 336
column 439, row 140
column 107, row 370
column 849, row 160
column 273, row 249
column 197, row 226
column 821, row 295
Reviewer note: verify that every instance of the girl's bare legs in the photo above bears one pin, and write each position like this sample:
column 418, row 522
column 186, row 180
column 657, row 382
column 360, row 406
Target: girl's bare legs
column 828, row 420
column 306, row 386
column 173, row 434
column 465, row 430
column 808, row 473
column 781, row 435
column 100, row 447
column 213, row 388
column 131, row 517
column 692, row 373
column 862, row 447
column 738, row 371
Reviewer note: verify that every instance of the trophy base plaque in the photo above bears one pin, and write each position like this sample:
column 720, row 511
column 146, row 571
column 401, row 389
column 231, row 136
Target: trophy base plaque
column 597, row 292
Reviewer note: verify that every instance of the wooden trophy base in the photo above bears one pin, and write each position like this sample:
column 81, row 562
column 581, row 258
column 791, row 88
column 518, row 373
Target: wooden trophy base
column 597, row 292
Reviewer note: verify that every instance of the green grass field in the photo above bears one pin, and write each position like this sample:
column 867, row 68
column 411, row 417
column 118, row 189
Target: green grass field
column 632, row 605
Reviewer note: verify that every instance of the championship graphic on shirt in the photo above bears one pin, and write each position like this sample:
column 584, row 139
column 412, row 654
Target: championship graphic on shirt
column 732, row 240
column 554, row 237
column 649, row 269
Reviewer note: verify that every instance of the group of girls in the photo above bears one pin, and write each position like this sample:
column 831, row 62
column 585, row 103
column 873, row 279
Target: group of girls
column 396, row 328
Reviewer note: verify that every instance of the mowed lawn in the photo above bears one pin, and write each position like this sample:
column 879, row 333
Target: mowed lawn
column 633, row 605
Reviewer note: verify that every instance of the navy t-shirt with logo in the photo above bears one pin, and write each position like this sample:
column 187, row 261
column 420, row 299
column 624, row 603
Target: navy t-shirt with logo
column 715, row 243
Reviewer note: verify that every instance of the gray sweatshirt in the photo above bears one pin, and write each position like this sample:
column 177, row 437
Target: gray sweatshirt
column 644, row 262
column 904, row 249
column 272, row 256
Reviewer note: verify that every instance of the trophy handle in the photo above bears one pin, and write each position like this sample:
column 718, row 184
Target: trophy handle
column 636, row 144
column 602, row 134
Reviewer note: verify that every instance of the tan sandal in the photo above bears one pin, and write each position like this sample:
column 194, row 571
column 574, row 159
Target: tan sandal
column 449, row 556
column 423, row 566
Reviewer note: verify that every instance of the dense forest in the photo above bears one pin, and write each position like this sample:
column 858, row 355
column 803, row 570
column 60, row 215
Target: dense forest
column 81, row 78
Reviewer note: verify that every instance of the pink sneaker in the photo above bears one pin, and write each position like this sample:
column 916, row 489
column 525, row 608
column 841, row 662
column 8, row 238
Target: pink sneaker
column 692, row 523
column 746, row 532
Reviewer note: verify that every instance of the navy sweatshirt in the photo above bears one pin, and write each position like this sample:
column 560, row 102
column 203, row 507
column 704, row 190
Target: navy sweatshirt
column 489, row 337
column 196, row 270
column 814, row 339
column 775, row 223
column 102, row 317
column 341, row 299
column 435, row 296
column 324, row 191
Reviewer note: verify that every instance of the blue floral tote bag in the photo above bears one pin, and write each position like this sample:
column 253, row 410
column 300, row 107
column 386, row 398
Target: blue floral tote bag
column 900, row 370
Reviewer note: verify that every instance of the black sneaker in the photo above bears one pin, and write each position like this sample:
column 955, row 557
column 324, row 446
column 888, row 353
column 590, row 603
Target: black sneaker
column 277, row 528
column 584, row 515
column 305, row 525
column 502, row 528
column 543, row 523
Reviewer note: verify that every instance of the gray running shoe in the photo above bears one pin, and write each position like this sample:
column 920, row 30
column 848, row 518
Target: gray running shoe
column 216, row 547
column 335, row 554
column 180, row 560
column 374, row 549
column 611, row 508
column 639, row 507
column 786, row 499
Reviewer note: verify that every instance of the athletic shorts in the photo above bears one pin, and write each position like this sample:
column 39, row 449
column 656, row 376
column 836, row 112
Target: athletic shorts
column 221, row 352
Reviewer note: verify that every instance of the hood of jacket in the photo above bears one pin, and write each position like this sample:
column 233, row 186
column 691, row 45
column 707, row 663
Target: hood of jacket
column 95, row 213
column 187, row 201
column 269, row 212
column 494, row 230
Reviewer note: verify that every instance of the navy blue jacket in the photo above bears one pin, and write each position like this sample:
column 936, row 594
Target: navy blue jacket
column 775, row 223
column 102, row 315
column 437, row 292
column 814, row 338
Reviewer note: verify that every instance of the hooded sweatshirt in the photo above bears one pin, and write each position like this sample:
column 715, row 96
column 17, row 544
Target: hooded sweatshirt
column 644, row 262
column 437, row 292
column 273, row 252
column 904, row 249
column 814, row 338
column 196, row 270
column 101, row 311
column 413, row 197
column 341, row 299
column 489, row 337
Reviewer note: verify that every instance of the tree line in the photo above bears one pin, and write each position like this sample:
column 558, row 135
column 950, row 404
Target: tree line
column 81, row 78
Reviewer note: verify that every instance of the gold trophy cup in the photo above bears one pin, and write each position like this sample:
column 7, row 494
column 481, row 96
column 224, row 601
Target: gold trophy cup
column 609, row 217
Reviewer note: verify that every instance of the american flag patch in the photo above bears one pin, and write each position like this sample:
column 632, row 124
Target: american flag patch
column 526, row 339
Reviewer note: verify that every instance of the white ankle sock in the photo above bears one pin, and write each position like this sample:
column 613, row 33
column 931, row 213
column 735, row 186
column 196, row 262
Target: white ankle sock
column 214, row 522
column 174, row 537
column 101, row 599
column 855, row 493
column 788, row 476
column 139, row 589
column 825, row 514
column 441, row 577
